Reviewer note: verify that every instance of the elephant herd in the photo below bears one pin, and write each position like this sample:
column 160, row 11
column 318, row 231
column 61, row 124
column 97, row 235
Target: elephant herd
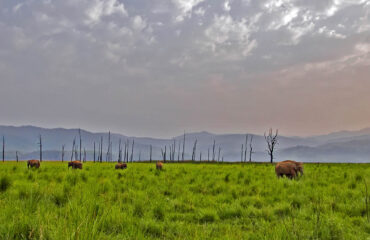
column 288, row 168
column 78, row 165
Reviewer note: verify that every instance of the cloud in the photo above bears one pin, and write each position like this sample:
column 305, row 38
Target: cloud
column 149, row 64
column 185, row 8
column 225, row 32
column 101, row 8
column 138, row 23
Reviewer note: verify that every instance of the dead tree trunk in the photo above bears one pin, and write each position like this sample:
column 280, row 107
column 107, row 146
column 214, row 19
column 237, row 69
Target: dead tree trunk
column 140, row 156
column 194, row 150
column 219, row 153
column 108, row 149
column 63, row 152
column 128, row 147
column 16, row 155
column 241, row 160
column 79, row 134
column 164, row 153
column 76, row 153
column 173, row 150
column 178, row 153
column 245, row 150
column 208, row 154
column 73, row 148
column 250, row 149
column 40, row 145
column 120, row 150
column 200, row 156
column 3, row 148
column 84, row 155
column 170, row 148
column 272, row 141
column 150, row 153
column 183, row 149
column 101, row 149
column 132, row 151
column 94, row 152
column 213, row 150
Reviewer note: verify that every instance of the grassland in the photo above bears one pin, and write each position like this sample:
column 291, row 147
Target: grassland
column 184, row 201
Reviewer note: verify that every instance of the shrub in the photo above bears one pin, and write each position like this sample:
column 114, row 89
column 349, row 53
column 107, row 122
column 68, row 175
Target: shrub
column 152, row 229
column 207, row 216
column 5, row 183
column 138, row 210
column 158, row 213
column 227, row 177
column 229, row 213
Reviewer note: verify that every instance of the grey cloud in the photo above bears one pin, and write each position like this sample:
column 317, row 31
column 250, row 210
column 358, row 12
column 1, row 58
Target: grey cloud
column 159, row 67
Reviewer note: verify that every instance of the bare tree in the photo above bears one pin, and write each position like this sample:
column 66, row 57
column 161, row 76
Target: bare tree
column 120, row 150
column 178, row 152
column 208, row 154
column 194, row 150
column 183, row 149
column 250, row 149
column 73, row 148
column 213, row 150
column 76, row 153
column 79, row 134
column 98, row 151
column 132, row 150
column 164, row 153
column 245, row 150
column 173, row 151
column 94, row 153
column 100, row 154
column 40, row 145
column 219, row 153
column 272, row 141
column 3, row 148
column 124, row 152
column 150, row 153
column 84, row 159
column 242, row 154
column 170, row 148
column 16, row 155
column 107, row 156
column 63, row 152
column 127, row 149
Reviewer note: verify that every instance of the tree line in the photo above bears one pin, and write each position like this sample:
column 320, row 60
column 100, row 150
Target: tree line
column 168, row 152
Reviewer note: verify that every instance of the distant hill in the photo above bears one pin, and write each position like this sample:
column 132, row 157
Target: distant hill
column 345, row 146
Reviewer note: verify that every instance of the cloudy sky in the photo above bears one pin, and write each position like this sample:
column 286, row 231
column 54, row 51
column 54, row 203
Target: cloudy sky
column 159, row 67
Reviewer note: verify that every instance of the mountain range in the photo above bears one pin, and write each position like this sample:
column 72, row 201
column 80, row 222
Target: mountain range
column 343, row 146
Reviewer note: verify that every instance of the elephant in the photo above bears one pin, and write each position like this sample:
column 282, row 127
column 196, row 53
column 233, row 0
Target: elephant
column 33, row 163
column 75, row 164
column 159, row 165
column 299, row 166
column 288, row 169
column 121, row 166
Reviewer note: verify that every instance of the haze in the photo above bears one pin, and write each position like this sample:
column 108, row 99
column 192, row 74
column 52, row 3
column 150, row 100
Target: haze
column 157, row 68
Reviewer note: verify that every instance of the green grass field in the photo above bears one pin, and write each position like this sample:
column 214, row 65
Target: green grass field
column 184, row 201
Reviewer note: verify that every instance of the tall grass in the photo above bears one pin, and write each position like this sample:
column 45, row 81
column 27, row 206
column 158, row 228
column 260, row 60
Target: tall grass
column 184, row 201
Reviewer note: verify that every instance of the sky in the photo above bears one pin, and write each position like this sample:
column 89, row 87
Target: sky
column 159, row 67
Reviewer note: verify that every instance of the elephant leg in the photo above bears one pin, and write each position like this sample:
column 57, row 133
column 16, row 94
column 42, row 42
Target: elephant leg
column 293, row 173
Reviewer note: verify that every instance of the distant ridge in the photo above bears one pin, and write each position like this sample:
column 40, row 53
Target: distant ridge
column 343, row 146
